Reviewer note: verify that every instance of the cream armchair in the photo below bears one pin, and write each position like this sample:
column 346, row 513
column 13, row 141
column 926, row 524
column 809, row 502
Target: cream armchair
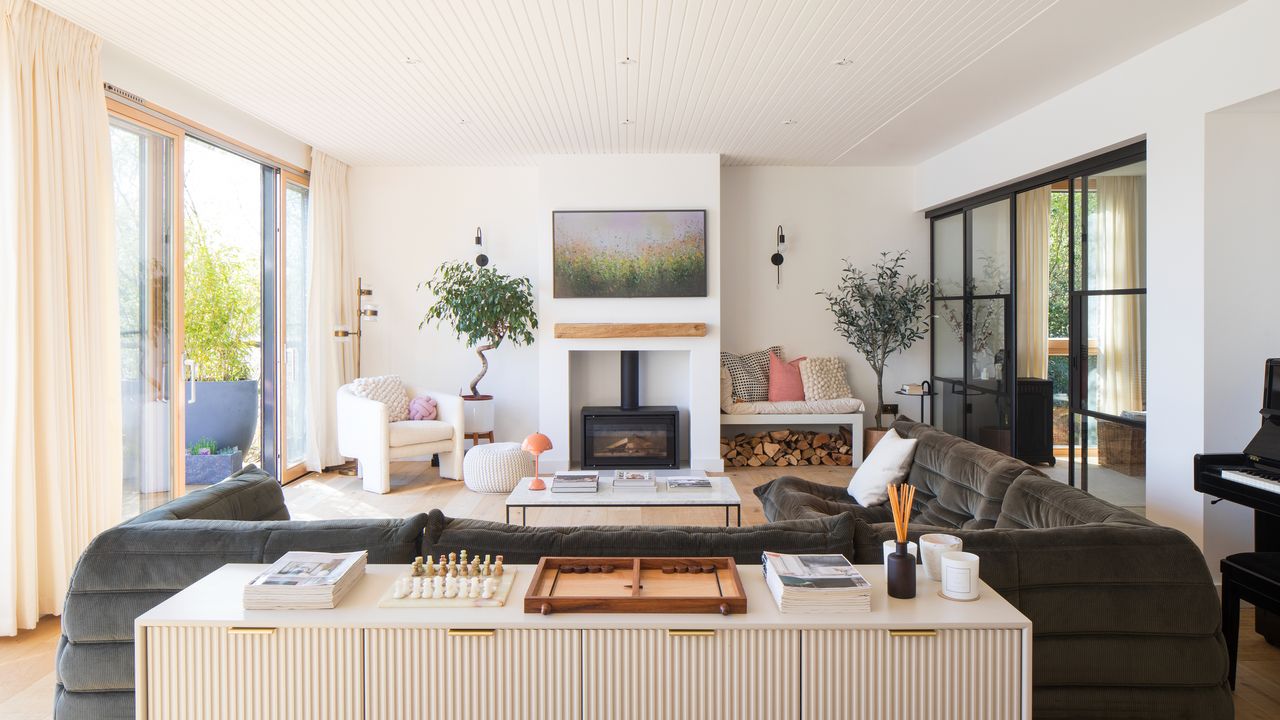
column 365, row 434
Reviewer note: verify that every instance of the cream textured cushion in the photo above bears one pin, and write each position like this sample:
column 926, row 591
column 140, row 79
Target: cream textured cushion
column 386, row 389
column 416, row 432
column 888, row 463
column 823, row 379
column 496, row 467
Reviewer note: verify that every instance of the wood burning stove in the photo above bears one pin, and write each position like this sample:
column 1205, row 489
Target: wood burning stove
column 647, row 437
column 630, row 435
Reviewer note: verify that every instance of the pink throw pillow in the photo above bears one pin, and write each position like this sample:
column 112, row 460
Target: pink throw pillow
column 784, row 379
column 422, row 408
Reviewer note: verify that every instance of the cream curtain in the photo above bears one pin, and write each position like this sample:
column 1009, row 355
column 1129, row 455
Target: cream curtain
column 1033, row 283
column 1121, row 248
column 330, row 303
column 60, row 422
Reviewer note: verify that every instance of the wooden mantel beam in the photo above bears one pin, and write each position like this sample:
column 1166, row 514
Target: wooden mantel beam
column 629, row 330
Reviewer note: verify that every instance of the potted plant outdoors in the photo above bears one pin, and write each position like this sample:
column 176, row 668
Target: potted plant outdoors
column 484, row 307
column 221, row 326
column 879, row 314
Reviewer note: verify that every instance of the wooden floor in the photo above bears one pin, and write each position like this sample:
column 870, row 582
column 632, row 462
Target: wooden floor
column 26, row 661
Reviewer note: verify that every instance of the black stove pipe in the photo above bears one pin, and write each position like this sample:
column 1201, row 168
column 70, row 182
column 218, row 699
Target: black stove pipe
column 630, row 380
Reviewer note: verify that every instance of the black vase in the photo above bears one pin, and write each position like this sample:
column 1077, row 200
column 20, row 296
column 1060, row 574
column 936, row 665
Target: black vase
column 900, row 572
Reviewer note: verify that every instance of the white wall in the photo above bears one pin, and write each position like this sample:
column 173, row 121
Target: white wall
column 829, row 214
column 128, row 72
column 630, row 182
column 405, row 222
column 1242, row 152
column 1164, row 95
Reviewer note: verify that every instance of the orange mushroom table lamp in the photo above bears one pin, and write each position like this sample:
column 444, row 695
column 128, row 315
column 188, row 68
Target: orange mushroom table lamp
column 537, row 444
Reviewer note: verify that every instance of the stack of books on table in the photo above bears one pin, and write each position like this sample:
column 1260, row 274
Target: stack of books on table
column 575, row 481
column 305, row 580
column 688, row 482
column 634, row 480
column 815, row 583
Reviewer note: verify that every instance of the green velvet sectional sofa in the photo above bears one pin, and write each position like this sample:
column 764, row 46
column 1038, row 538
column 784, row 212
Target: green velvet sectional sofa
column 1126, row 620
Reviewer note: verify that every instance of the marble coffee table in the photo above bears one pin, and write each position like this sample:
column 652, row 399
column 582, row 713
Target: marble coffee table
column 720, row 494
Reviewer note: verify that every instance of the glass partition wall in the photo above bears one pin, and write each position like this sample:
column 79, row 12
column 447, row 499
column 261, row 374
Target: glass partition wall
column 1039, row 327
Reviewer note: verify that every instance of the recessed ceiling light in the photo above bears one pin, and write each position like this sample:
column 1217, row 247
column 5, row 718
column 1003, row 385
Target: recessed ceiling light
column 843, row 62
column 625, row 122
column 627, row 61
column 790, row 122
column 410, row 60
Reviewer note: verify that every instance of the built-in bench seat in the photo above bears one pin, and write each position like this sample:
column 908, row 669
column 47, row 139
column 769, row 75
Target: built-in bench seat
column 793, row 413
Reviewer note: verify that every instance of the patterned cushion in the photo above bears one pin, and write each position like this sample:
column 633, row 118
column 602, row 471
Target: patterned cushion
column 386, row 389
column 823, row 379
column 749, row 373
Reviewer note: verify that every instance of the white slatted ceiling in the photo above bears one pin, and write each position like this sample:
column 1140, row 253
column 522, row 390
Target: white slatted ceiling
column 542, row 76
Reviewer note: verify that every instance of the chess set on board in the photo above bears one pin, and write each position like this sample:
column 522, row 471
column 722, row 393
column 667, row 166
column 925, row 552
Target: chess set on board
column 453, row 581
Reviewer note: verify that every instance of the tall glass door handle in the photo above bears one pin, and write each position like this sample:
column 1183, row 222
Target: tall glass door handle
column 193, row 370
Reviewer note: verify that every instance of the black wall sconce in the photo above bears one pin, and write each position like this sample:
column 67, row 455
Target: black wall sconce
column 482, row 258
column 776, row 258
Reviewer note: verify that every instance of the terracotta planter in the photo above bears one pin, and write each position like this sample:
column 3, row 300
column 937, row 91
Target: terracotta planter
column 871, row 436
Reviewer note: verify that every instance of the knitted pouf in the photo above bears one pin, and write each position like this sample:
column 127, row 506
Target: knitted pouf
column 496, row 467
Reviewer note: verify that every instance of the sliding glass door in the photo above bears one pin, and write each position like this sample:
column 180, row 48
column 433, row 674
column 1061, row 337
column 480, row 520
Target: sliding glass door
column 145, row 192
column 213, row 255
column 1109, row 319
column 295, row 267
column 1039, row 333
column 972, row 280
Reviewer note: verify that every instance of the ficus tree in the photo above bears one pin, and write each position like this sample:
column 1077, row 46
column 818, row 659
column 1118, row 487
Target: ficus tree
column 483, row 306
column 880, row 313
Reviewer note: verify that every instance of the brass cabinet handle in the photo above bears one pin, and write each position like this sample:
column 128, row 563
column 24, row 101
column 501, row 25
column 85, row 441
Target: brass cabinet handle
column 913, row 633
column 691, row 633
column 251, row 631
column 454, row 632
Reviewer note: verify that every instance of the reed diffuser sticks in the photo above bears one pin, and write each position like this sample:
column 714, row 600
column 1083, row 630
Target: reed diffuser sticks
column 900, row 565
column 901, row 498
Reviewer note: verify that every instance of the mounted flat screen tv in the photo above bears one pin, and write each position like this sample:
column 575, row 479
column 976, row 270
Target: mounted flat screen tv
column 629, row 253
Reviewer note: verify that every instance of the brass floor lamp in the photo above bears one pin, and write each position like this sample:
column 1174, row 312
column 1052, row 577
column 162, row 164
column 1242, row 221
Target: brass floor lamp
column 343, row 334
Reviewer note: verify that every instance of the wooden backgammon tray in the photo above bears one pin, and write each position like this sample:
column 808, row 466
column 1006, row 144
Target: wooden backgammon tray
column 637, row 585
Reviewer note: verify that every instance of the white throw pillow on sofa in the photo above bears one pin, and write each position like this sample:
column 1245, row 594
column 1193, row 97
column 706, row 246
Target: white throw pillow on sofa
column 888, row 463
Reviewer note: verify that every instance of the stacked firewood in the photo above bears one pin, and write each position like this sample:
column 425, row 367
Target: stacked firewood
column 784, row 448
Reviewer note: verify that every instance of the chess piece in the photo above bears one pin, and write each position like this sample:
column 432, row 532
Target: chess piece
column 451, row 587
column 463, row 557
column 490, row 585
column 486, row 559
column 497, row 569
column 453, row 558
column 474, row 589
column 437, row 591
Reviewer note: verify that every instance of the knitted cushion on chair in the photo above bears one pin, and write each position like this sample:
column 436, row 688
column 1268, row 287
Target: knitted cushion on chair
column 386, row 389
column 422, row 408
column 496, row 467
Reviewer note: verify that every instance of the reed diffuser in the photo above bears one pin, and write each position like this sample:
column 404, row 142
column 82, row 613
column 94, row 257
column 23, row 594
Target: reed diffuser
column 900, row 566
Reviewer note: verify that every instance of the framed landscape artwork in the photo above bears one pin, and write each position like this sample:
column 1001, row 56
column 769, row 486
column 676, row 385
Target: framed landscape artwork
column 629, row 253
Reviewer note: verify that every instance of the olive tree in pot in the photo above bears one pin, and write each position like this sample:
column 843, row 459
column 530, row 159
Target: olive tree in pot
column 484, row 307
column 221, row 326
column 879, row 314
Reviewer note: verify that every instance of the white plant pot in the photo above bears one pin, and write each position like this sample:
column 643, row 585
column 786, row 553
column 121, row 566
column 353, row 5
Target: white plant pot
column 477, row 413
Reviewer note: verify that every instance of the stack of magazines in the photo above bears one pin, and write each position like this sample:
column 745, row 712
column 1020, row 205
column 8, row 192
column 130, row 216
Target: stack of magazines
column 688, row 482
column 815, row 583
column 634, row 480
column 575, row 482
column 305, row 580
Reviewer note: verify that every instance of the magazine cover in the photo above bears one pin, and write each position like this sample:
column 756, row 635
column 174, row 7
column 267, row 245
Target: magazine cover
column 816, row 571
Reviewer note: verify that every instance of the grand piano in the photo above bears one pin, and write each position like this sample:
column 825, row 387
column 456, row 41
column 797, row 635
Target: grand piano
column 1252, row 479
